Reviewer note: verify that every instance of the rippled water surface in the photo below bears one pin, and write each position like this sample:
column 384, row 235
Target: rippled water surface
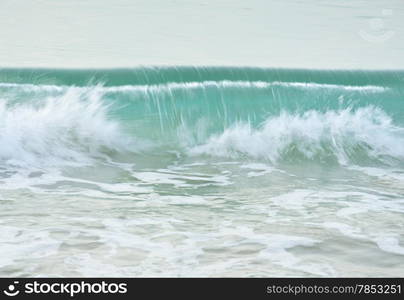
column 201, row 172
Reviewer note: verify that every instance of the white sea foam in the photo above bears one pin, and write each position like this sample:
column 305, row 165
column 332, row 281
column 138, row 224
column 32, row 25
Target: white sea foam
column 258, row 169
column 70, row 128
column 390, row 244
column 221, row 84
column 341, row 134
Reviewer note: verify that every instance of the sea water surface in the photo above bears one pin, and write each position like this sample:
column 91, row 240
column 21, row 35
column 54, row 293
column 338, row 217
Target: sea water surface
column 201, row 171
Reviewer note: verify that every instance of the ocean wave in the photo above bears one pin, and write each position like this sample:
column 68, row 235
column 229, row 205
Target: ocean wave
column 197, row 85
column 69, row 128
column 77, row 127
column 218, row 112
column 345, row 136
column 155, row 75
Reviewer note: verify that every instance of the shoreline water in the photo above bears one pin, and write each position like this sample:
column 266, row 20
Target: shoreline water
column 201, row 172
column 205, row 165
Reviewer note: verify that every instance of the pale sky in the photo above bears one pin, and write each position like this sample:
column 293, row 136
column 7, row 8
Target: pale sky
column 348, row 34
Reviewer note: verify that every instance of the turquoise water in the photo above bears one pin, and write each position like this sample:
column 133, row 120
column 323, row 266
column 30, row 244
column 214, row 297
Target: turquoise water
column 201, row 171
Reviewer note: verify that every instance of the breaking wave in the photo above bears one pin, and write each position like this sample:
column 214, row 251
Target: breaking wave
column 47, row 118
column 343, row 135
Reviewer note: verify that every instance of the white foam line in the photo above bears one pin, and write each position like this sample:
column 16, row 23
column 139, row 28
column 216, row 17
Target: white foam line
column 242, row 84
column 202, row 84
column 371, row 88
column 34, row 87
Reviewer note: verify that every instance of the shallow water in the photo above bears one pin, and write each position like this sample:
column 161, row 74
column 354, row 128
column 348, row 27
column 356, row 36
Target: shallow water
column 201, row 172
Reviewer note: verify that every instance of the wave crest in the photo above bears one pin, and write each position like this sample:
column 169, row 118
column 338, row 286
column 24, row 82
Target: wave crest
column 66, row 129
column 345, row 136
